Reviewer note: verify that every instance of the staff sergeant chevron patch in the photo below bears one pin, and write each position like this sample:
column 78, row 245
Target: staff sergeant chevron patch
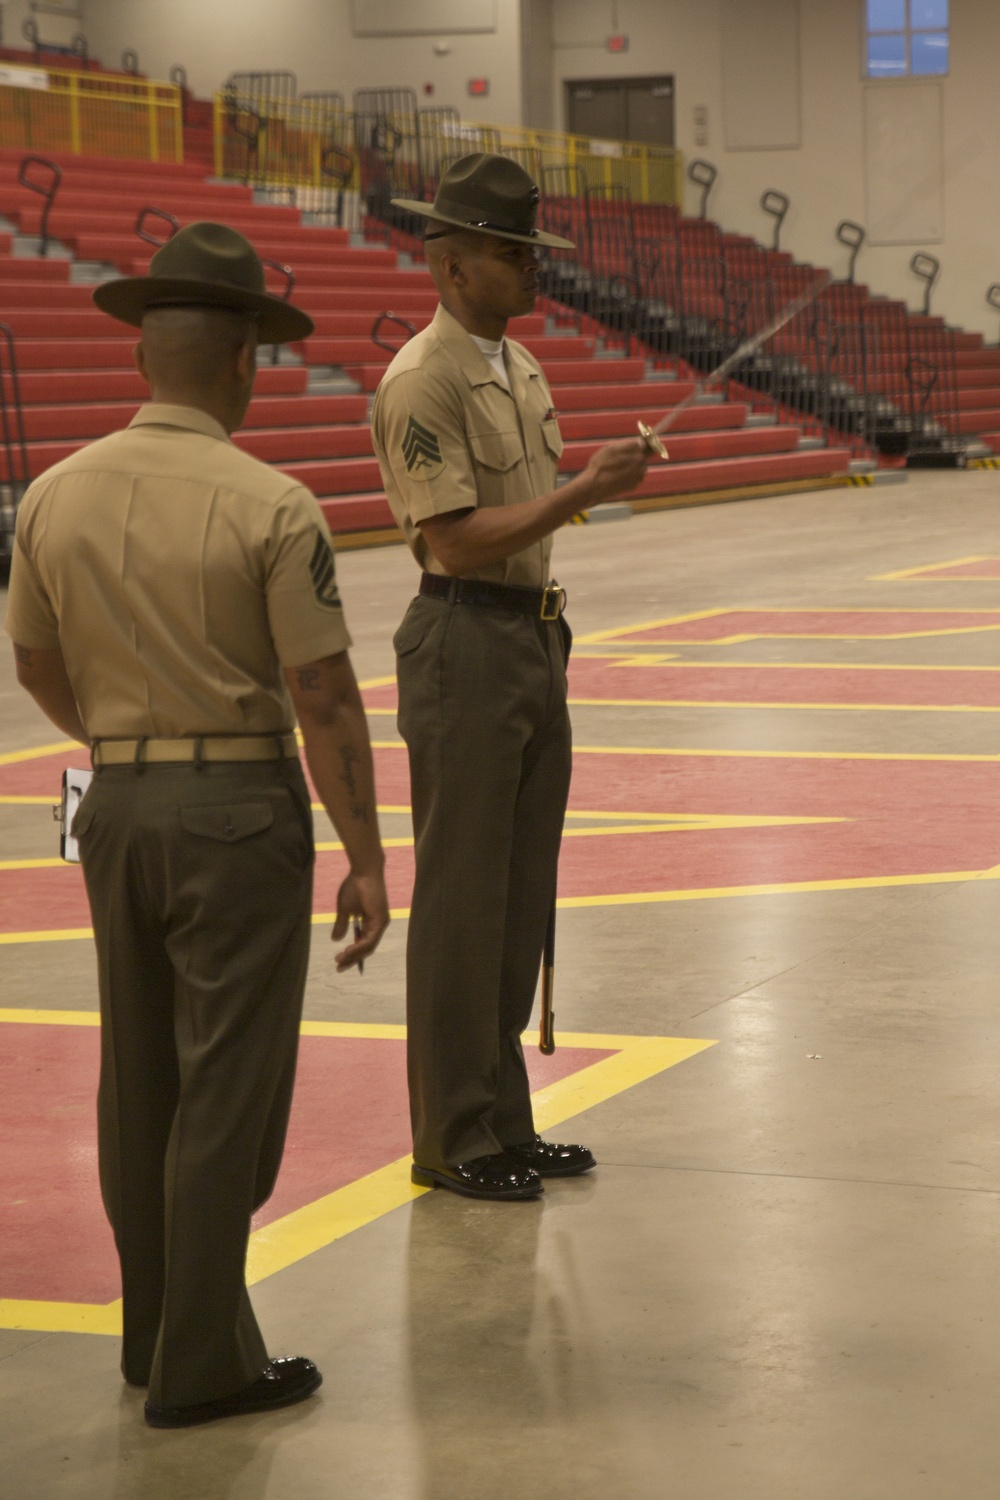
column 421, row 451
column 322, row 573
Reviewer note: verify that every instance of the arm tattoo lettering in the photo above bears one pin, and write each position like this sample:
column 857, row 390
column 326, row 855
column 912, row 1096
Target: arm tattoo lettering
column 308, row 679
column 23, row 655
column 349, row 759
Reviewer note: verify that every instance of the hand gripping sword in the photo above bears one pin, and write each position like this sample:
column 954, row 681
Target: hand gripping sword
column 651, row 435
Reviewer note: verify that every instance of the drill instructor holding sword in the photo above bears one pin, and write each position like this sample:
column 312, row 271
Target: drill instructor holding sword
column 468, row 443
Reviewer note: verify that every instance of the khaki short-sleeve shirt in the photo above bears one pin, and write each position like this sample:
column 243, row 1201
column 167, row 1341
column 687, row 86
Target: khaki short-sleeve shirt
column 450, row 436
column 178, row 576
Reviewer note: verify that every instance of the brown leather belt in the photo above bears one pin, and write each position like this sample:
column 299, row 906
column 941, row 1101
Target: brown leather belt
column 545, row 604
column 281, row 745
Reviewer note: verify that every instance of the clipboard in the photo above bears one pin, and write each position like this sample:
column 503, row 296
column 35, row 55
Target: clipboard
column 74, row 785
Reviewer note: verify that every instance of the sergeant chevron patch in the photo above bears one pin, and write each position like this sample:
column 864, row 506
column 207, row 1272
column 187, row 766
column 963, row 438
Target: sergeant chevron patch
column 421, row 451
column 322, row 573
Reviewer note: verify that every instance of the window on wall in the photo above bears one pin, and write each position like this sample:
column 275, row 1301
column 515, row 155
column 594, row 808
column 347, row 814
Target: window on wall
column 906, row 38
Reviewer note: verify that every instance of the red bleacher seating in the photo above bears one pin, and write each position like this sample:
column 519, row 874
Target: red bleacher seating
column 78, row 382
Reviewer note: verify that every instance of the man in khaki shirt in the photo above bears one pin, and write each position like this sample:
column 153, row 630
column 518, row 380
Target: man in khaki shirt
column 173, row 604
column 468, row 444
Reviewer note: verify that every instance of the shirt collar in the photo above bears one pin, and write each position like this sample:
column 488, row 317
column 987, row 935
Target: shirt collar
column 160, row 414
column 473, row 363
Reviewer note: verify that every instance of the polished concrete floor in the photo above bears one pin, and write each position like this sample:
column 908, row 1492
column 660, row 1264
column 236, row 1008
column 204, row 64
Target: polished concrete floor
column 782, row 1282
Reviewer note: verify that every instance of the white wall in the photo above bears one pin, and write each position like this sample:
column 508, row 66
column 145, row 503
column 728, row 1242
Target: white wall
column 825, row 176
column 313, row 39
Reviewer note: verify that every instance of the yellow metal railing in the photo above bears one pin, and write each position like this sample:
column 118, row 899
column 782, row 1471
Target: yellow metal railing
column 93, row 114
column 284, row 142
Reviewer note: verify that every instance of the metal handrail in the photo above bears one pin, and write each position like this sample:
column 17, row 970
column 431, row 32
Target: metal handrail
column 388, row 317
column 149, row 212
column 12, row 435
column 286, row 295
column 853, row 236
column 928, row 268
column 47, row 191
column 776, row 204
column 178, row 76
column 703, row 173
column 130, row 61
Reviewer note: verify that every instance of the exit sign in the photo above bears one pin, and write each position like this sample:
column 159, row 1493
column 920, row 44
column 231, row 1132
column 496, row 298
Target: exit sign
column 617, row 43
column 479, row 87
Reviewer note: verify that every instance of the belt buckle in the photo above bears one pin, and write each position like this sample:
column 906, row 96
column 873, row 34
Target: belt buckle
column 553, row 601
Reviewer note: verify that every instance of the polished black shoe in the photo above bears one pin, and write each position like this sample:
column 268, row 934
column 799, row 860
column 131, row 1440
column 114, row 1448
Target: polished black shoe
column 283, row 1382
column 495, row 1177
column 550, row 1160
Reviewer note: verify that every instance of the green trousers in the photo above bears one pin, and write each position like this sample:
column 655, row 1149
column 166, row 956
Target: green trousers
column 200, row 886
column 482, row 708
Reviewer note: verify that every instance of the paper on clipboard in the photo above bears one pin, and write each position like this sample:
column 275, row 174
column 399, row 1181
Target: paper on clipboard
column 74, row 784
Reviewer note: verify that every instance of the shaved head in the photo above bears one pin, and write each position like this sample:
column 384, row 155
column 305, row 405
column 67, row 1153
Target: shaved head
column 204, row 357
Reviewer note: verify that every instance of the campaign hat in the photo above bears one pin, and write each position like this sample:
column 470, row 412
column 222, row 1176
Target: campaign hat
column 206, row 265
column 487, row 194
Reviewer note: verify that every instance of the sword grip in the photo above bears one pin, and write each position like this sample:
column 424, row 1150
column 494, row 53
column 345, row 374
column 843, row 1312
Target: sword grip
column 546, row 1031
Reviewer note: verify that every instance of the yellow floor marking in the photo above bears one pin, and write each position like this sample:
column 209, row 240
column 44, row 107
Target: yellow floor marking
column 744, row 754
column 630, row 898
column 377, row 682
column 597, row 637
column 32, row 864
column 316, row 1225
column 50, row 1017
column 52, row 799
column 12, row 757
column 756, row 666
column 896, row 708
column 957, row 562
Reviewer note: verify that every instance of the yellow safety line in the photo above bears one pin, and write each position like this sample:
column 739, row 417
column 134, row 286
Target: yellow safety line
column 914, row 755
column 672, row 660
column 11, row 757
column 899, row 708
column 597, row 636
column 958, row 562
column 33, row 864
column 316, row 1225
column 12, row 801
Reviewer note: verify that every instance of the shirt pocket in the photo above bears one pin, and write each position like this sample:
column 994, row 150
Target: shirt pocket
column 553, row 438
column 496, row 456
column 227, row 823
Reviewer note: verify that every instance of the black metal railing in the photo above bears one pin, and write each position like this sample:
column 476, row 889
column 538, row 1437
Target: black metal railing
column 165, row 217
column 853, row 236
column 388, row 317
column 288, row 277
column 777, row 205
column 703, row 175
column 46, row 190
column 928, row 268
column 16, row 475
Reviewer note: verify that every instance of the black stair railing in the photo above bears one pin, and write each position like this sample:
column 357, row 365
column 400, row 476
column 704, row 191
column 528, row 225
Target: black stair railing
column 928, row 268
column 13, row 444
column 993, row 297
column 776, row 204
column 853, row 236
column 388, row 317
column 46, row 188
column 703, row 174
column 149, row 212
column 130, row 61
column 288, row 276
column 178, row 77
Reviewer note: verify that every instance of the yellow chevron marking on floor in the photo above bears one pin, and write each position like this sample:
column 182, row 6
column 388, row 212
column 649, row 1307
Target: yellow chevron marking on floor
column 597, row 637
column 13, row 757
column 658, row 659
column 316, row 1225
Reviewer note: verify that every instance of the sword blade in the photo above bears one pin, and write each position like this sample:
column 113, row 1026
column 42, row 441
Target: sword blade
column 743, row 351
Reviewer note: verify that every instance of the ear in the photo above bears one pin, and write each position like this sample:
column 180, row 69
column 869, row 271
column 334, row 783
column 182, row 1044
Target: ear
column 246, row 359
column 139, row 360
column 453, row 268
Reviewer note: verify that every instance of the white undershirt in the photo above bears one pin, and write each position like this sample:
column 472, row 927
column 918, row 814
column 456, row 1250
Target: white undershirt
column 493, row 353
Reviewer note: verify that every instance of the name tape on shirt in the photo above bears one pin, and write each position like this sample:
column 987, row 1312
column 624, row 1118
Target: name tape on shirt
column 322, row 571
column 421, row 451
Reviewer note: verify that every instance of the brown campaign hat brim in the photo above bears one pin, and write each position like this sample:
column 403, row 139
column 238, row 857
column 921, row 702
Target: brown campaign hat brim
column 539, row 237
column 130, row 297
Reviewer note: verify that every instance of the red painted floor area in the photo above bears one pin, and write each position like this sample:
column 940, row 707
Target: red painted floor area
column 728, row 626
column 764, row 684
column 900, row 818
column 349, row 1118
column 980, row 567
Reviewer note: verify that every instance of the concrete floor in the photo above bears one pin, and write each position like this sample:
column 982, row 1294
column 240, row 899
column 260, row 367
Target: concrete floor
column 782, row 1281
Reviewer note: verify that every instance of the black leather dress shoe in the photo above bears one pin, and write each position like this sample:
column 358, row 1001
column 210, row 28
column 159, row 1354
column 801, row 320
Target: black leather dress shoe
column 550, row 1160
column 495, row 1177
column 282, row 1383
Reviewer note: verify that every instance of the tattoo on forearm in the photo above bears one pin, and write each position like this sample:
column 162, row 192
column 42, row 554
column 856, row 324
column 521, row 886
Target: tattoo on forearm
column 23, row 655
column 349, row 760
column 308, row 679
